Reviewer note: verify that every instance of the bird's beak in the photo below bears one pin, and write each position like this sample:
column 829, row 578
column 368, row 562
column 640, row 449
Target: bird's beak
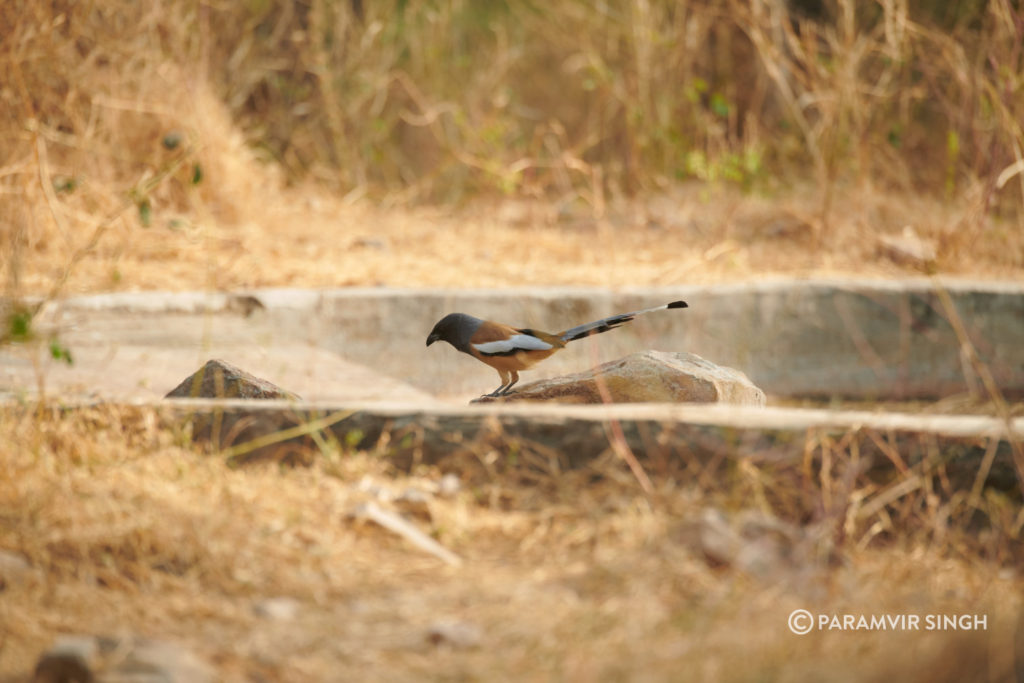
column 431, row 339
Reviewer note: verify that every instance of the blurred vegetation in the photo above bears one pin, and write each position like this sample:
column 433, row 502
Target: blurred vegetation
column 120, row 116
column 436, row 100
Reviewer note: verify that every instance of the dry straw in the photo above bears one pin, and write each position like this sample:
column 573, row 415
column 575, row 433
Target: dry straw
column 856, row 122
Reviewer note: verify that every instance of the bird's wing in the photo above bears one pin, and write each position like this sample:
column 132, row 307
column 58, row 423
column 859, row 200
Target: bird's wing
column 513, row 344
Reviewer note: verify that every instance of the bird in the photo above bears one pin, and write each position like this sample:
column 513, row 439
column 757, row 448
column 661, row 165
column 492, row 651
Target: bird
column 510, row 349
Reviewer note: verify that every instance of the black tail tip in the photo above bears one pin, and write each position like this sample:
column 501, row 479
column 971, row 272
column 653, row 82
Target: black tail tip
column 678, row 304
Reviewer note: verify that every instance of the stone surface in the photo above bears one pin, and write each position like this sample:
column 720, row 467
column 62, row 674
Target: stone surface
column 455, row 633
column 277, row 609
column 220, row 379
column 648, row 377
column 908, row 248
column 449, row 486
column 87, row 658
column 70, row 660
column 106, row 368
column 15, row 570
column 759, row 544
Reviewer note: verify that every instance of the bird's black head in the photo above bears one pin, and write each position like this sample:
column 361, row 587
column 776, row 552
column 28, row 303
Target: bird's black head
column 456, row 329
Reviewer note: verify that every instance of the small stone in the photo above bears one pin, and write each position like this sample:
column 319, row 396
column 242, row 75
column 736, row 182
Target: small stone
column 69, row 660
column 908, row 248
column 415, row 503
column 456, row 633
column 219, row 379
column 277, row 609
column 155, row 660
column 449, row 486
column 370, row 243
column 759, row 544
column 85, row 658
column 717, row 539
column 245, row 304
column 14, row 570
column 172, row 139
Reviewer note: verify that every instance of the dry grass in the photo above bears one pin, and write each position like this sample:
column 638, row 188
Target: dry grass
column 568, row 578
column 435, row 146
column 675, row 145
column 686, row 237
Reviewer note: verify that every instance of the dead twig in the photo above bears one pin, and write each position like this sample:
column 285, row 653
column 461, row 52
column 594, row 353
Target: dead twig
column 400, row 526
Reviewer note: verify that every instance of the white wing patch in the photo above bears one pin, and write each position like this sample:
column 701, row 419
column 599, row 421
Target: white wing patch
column 517, row 342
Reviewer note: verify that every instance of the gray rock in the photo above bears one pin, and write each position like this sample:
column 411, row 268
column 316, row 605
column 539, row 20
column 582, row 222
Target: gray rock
column 155, row 661
column 414, row 503
column 219, row 379
column 449, row 486
column 759, row 544
column 85, row 659
column 277, row 609
column 70, row 660
column 908, row 248
column 648, row 377
column 15, row 570
column 456, row 633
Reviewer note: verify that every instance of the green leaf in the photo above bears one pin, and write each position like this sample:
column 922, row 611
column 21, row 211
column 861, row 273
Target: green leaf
column 952, row 144
column 145, row 213
column 64, row 184
column 19, row 325
column 197, row 174
column 719, row 105
column 354, row 437
column 895, row 137
column 60, row 352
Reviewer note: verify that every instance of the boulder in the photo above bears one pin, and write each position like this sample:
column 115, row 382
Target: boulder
column 647, row 377
column 219, row 379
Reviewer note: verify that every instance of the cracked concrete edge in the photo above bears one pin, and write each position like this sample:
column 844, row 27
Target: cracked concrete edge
column 666, row 436
column 411, row 433
column 735, row 417
column 726, row 416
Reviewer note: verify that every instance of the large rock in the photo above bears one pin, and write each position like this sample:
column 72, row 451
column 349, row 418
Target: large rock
column 219, row 379
column 648, row 377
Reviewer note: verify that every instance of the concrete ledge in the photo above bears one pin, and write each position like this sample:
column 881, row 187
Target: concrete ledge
column 680, row 441
column 828, row 338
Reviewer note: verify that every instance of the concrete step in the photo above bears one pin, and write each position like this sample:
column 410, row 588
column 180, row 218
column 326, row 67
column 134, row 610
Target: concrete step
column 863, row 340
column 684, row 441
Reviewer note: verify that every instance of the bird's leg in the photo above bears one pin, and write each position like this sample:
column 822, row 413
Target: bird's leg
column 496, row 393
column 505, row 383
column 508, row 387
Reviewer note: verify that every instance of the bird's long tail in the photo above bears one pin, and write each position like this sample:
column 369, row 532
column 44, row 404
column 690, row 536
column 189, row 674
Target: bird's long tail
column 610, row 323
